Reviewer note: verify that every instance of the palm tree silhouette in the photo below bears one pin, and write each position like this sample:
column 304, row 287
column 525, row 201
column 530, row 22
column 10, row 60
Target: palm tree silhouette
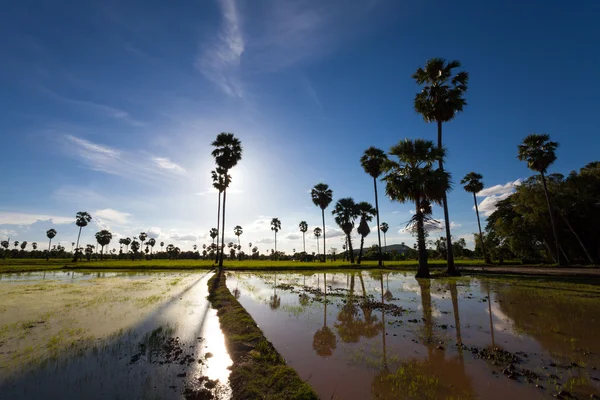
column 275, row 301
column 324, row 340
column 413, row 178
column 142, row 237
column 275, row 227
column 135, row 247
column 321, row 197
column 441, row 98
column 539, row 153
column 50, row 234
column 151, row 242
column 103, row 238
column 238, row 232
column 384, row 228
column 317, row 232
column 373, row 161
column 346, row 212
column 303, row 228
column 34, row 246
column 219, row 178
column 81, row 220
column 473, row 184
column 367, row 212
column 227, row 153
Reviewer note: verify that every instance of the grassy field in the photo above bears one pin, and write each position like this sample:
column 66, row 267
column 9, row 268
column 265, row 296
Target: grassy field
column 25, row 265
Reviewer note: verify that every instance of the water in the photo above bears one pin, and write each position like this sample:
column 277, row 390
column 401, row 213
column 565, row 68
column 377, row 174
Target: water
column 388, row 336
column 108, row 336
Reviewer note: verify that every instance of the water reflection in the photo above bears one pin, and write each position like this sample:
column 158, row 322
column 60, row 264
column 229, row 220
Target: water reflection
column 324, row 341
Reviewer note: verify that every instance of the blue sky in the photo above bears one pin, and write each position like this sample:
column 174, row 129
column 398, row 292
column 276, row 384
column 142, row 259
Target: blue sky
column 110, row 107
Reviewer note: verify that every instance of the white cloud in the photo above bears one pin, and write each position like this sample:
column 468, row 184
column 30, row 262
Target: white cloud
column 220, row 60
column 293, row 236
column 16, row 218
column 508, row 187
column 266, row 240
column 184, row 238
column 165, row 163
column 112, row 215
column 154, row 232
column 488, row 205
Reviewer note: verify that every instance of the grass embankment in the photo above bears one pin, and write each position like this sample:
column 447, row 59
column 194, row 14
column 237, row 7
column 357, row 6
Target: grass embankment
column 258, row 371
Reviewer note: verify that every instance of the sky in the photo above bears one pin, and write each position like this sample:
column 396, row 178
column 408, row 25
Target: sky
column 110, row 107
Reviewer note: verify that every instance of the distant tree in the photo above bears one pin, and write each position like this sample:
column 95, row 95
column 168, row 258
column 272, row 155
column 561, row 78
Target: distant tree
column 162, row 244
column 275, row 227
column 373, row 161
column 142, row 236
column 317, row 232
column 367, row 212
column 103, row 238
column 346, row 212
column 34, row 246
column 384, row 228
column 237, row 231
column 89, row 250
column 152, row 243
column 170, row 250
column 16, row 244
column 50, row 234
column 227, row 153
column 23, row 245
column 539, row 153
column 135, row 247
column 82, row 218
column 441, row 98
column 127, row 242
column 413, row 178
column 321, row 197
column 473, row 184
column 303, row 228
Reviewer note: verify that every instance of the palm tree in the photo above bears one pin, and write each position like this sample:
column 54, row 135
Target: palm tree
column 303, row 228
column 162, row 244
column 321, row 197
column 103, row 238
column 135, row 246
column 152, row 243
column 473, row 184
column 317, row 232
column 219, row 178
column 413, row 178
column 81, row 220
column 275, row 227
column 367, row 212
column 227, row 153
column 238, row 232
column 50, row 234
column 142, row 237
column 372, row 162
column 346, row 212
column 23, row 245
column 441, row 98
column 539, row 153
column 384, row 228
column 16, row 244
column 34, row 245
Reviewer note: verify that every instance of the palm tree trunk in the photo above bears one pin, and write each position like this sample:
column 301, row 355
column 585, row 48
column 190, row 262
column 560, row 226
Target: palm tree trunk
column 218, row 226
column 380, row 261
column 223, row 231
column 49, row 244
column 350, row 249
column 77, row 246
column 385, row 242
column 276, row 243
column 303, row 242
column 317, row 245
column 450, row 259
column 590, row 259
column 423, row 271
column 558, row 259
column 362, row 285
column 454, row 296
column 485, row 256
column 362, row 242
column 324, row 247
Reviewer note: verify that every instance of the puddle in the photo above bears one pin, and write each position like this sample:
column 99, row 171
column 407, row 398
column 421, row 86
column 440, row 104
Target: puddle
column 108, row 336
column 388, row 336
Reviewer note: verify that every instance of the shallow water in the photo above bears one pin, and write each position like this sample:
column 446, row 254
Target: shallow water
column 108, row 336
column 460, row 338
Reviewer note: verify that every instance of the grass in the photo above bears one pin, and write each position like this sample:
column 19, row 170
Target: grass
column 258, row 371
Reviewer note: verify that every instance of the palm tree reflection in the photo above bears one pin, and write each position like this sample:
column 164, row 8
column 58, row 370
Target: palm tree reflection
column 324, row 341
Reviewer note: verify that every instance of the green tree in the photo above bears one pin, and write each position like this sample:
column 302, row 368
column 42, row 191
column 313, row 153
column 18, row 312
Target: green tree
column 317, row 232
column 321, row 197
column 103, row 238
column 238, row 232
column 135, row 247
column 367, row 212
column 50, row 234
column 440, row 99
column 303, row 228
column 227, row 153
column 373, row 161
column 346, row 212
column 81, row 220
column 275, row 227
column 413, row 178
column 539, row 153
column 473, row 184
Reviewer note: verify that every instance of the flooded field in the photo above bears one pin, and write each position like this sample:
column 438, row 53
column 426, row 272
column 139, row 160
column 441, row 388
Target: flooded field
column 388, row 336
column 110, row 336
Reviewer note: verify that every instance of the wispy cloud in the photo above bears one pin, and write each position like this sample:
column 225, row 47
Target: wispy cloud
column 494, row 194
column 220, row 60
column 16, row 218
column 213, row 191
column 112, row 215
column 167, row 164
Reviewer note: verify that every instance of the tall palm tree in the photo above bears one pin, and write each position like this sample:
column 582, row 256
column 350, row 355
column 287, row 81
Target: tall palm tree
column 321, row 197
column 23, row 245
column 275, row 227
column 413, row 178
column 346, row 212
column 81, row 220
column 50, row 234
column 473, row 184
column 152, row 243
column 441, row 98
column 303, row 228
column 367, row 212
column 34, row 245
column 227, row 153
column 317, row 232
column 219, row 178
column 238, row 232
column 384, row 228
column 372, row 162
column 539, row 153
column 142, row 237
column 16, row 244
column 103, row 238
